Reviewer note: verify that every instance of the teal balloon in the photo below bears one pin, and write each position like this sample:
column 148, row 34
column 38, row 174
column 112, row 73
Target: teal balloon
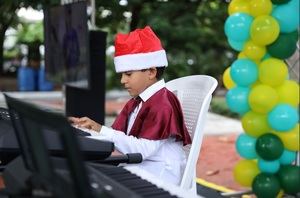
column 283, row 117
column 284, row 46
column 268, row 166
column 244, row 72
column 287, row 157
column 237, row 26
column 245, row 146
column 294, row 3
column 266, row 56
column 279, row 1
column 287, row 16
column 237, row 99
column 265, row 185
column 236, row 45
column 289, row 177
column 269, row 147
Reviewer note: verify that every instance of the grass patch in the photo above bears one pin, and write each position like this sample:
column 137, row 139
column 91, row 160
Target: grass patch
column 218, row 105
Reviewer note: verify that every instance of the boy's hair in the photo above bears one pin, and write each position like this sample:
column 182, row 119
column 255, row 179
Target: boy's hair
column 160, row 72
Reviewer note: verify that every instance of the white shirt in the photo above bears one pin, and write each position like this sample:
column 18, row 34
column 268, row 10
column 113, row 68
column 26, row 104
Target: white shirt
column 163, row 158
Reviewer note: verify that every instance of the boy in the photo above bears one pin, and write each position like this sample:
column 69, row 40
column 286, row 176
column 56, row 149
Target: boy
column 151, row 123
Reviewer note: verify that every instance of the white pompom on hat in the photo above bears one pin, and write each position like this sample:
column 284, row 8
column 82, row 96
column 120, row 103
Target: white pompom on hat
column 140, row 49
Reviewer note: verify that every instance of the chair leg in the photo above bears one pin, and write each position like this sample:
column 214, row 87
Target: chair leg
column 193, row 185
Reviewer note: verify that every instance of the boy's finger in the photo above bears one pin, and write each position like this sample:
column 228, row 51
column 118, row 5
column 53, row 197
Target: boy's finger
column 86, row 125
column 72, row 119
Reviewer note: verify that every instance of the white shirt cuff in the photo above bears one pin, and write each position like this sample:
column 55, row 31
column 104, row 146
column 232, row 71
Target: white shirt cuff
column 107, row 132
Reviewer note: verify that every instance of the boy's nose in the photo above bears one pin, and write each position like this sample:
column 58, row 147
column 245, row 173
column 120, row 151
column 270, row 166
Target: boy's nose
column 122, row 79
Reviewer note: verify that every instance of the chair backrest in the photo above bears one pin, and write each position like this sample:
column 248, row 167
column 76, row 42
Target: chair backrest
column 194, row 93
column 30, row 122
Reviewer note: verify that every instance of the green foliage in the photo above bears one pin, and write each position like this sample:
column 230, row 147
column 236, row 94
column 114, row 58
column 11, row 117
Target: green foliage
column 30, row 33
column 11, row 53
column 8, row 18
column 218, row 105
column 191, row 32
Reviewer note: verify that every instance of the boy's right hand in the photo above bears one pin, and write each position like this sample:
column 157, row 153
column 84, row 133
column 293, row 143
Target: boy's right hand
column 85, row 122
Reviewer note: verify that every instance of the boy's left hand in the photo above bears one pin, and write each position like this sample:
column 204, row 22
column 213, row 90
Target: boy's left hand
column 85, row 122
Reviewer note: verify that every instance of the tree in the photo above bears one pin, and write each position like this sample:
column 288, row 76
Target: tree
column 32, row 35
column 191, row 31
column 8, row 17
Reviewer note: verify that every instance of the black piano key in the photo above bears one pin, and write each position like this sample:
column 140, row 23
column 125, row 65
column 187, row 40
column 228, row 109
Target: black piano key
column 151, row 193
column 164, row 196
column 145, row 191
column 113, row 171
column 137, row 183
column 126, row 177
column 142, row 188
column 137, row 187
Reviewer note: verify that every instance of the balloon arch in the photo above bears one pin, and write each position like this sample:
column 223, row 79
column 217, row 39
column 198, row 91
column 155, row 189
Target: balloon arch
column 265, row 33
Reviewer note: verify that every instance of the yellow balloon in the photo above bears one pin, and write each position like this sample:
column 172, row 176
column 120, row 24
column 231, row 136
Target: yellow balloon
column 255, row 84
column 262, row 98
column 288, row 93
column 264, row 30
column 245, row 171
column 260, row 7
column 280, row 194
column 238, row 6
column 255, row 124
column 227, row 81
column 254, row 51
column 290, row 139
column 273, row 72
column 242, row 55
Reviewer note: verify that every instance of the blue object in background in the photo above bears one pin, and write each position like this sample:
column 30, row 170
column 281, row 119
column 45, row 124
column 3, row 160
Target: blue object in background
column 26, row 79
column 44, row 84
column 30, row 79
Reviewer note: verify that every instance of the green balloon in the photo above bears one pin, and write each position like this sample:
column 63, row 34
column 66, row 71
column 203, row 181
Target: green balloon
column 284, row 46
column 289, row 177
column 266, row 185
column 280, row 1
column 269, row 147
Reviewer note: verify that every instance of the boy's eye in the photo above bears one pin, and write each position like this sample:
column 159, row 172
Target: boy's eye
column 128, row 73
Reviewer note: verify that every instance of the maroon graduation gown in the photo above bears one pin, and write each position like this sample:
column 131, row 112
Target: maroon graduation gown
column 159, row 118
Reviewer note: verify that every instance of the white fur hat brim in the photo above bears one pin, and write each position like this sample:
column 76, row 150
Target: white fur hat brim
column 132, row 62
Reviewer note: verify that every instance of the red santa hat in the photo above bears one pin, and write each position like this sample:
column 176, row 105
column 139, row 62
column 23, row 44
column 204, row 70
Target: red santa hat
column 140, row 49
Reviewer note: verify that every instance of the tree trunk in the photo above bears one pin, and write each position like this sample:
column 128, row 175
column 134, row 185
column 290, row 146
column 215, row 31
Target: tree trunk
column 2, row 35
column 135, row 16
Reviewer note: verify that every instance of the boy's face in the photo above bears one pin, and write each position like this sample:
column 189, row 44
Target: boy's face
column 137, row 81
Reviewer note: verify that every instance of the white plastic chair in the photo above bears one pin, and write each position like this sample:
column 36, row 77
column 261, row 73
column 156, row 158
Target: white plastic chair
column 194, row 93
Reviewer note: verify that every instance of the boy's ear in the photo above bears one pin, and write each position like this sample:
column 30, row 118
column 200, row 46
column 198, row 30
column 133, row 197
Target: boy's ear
column 152, row 73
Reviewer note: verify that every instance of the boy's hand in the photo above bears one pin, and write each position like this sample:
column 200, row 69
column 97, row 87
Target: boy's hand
column 85, row 122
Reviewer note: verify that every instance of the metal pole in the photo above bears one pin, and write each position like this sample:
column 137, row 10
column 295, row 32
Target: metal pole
column 93, row 14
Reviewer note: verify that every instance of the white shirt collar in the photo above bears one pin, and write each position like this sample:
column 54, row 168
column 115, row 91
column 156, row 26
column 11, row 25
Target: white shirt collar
column 147, row 93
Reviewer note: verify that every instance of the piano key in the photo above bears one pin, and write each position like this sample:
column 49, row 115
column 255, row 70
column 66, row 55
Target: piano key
column 139, row 184
column 175, row 191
